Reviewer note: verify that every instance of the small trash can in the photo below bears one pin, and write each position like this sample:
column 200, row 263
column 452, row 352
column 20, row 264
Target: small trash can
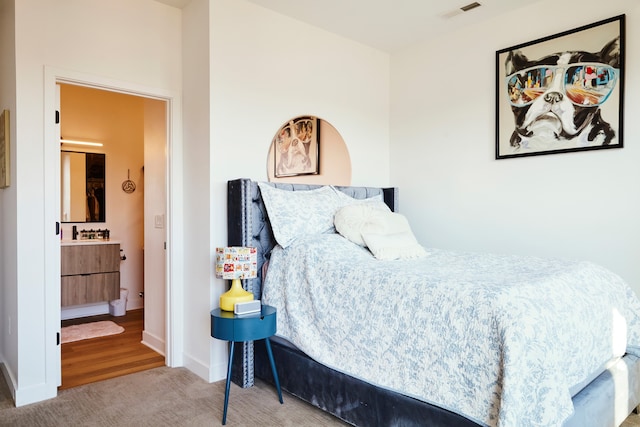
column 118, row 307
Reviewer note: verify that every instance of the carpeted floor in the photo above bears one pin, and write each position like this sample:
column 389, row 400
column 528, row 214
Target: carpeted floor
column 632, row 420
column 168, row 397
column 162, row 397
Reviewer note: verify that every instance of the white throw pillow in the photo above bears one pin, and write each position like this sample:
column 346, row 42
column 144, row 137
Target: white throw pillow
column 391, row 238
column 293, row 214
column 349, row 220
column 394, row 246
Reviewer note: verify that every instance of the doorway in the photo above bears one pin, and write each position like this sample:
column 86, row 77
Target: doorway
column 133, row 132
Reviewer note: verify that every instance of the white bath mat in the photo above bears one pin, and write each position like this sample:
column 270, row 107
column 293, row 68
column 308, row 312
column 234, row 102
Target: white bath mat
column 90, row 330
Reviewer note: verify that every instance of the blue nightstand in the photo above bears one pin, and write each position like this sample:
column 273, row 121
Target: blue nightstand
column 225, row 325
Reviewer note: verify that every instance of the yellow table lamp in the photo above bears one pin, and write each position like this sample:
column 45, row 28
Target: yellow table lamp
column 236, row 263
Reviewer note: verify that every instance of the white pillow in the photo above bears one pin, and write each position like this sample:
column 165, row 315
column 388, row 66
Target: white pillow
column 394, row 246
column 293, row 214
column 390, row 238
column 349, row 220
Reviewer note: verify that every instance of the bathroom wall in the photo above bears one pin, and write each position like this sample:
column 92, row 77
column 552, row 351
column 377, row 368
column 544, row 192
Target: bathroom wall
column 155, row 234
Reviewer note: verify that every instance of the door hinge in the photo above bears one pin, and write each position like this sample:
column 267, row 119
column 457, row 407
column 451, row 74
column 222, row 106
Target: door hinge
column 57, row 228
column 57, row 117
column 57, row 338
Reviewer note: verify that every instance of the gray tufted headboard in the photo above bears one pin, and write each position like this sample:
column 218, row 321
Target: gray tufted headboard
column 248, row 225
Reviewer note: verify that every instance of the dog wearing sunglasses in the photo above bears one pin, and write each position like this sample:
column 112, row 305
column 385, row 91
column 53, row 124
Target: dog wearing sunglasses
column 556, row 99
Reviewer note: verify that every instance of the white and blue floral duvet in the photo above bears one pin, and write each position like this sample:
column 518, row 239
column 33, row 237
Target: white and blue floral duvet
column 499, row 339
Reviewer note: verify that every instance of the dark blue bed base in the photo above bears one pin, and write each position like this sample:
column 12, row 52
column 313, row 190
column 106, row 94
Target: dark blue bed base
column 360, row 403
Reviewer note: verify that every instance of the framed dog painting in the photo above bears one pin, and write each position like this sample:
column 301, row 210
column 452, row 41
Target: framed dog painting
column 562, row 93
column 297, row 148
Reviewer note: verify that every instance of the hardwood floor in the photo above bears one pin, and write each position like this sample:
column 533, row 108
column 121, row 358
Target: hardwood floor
column 112, row 356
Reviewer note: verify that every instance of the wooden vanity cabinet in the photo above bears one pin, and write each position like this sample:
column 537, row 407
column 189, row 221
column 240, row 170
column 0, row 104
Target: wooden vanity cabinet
column 90, row 273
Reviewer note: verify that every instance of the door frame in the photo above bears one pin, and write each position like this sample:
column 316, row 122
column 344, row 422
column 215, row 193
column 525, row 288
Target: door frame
column 174, row 315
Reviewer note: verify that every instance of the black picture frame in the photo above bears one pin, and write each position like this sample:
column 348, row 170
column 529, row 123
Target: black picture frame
column 5, row 149
column 562, row 93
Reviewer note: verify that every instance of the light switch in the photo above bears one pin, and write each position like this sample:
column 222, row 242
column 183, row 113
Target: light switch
column 159, row 221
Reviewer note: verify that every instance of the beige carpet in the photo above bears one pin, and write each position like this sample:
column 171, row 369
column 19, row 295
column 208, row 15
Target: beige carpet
column 162, row 397
column 168, row 397
column 90, row 330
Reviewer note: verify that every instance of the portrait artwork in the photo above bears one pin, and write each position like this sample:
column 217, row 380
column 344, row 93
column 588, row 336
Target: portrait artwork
column 296, row 147
column 562, row 93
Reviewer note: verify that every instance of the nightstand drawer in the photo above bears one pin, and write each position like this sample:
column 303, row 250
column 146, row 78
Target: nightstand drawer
column 226, row 325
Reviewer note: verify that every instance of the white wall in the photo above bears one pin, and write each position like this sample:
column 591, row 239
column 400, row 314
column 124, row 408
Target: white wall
column 267, row 68
column 121, row 41
column 236, row 97
column 197, row 204
column 577, row 205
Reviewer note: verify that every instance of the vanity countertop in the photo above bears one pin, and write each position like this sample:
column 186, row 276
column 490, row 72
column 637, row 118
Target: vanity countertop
column 66, row 242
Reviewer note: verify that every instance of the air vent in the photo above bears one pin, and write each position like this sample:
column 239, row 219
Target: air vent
column 461, row 10
column 470, row 6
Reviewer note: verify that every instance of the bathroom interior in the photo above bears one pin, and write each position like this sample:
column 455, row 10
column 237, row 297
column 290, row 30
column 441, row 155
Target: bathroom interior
column 112, row 211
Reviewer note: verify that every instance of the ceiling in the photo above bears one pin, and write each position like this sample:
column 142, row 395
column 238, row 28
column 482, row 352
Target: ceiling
column 387, row 25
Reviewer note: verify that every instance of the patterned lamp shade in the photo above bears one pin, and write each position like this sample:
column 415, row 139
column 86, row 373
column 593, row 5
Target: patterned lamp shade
column 235, row 263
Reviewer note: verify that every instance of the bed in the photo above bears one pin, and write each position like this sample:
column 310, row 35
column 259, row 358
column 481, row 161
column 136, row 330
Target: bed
column 602, row 398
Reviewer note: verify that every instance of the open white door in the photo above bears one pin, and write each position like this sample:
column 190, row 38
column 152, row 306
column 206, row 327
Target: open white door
column 52, row 228
column 58, row 351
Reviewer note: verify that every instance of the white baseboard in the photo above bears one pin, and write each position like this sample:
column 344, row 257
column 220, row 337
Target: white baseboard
column 203, row 371
column 153, row 342
column 84, row 310
column 28, row 395
column 218, row 372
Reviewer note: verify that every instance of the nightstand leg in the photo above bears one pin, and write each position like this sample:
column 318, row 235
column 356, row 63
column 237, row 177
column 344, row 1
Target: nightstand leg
column 273, row 368
column 226, row 390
